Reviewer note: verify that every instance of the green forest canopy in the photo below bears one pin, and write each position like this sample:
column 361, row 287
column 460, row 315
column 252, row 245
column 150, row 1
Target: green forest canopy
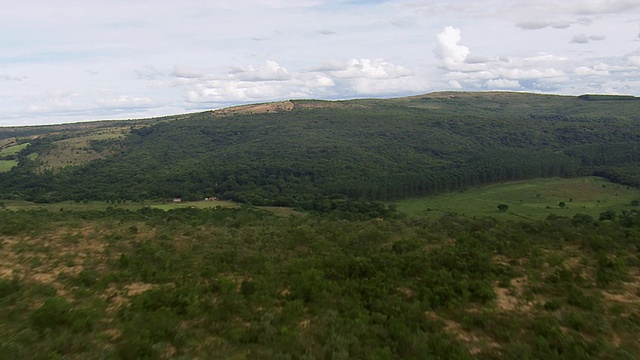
column 374, row 149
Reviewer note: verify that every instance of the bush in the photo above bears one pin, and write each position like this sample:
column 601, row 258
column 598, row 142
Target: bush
column 9, row 287
column 55, row 312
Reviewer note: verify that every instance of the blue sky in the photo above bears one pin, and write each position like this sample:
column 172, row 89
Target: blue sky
column 70, row 60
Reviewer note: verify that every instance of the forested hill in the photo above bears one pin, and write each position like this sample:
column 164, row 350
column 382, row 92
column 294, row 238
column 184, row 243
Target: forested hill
column 297, row 151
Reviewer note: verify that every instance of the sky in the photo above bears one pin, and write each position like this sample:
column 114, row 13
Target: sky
column 79, row 60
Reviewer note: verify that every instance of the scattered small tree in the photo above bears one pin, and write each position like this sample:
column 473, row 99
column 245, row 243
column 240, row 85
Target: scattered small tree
column 562, row 205
column 607, row 215
column 503, row 207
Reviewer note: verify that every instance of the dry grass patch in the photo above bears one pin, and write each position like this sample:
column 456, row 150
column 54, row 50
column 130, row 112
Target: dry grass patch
column 258, row 108
column 629, row 293
column 511, row 298
column 476, row 343
column 52, row 257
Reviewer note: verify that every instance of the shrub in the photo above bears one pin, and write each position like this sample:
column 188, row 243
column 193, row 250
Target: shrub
column 55, row 312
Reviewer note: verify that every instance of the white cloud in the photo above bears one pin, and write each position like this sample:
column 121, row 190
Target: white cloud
column 595, row 7
column 148, row 72
column 319, row 80
column 503, row 84
column 590, row 71
column 455, row 84
column 125, row 101
column 465, row 69
column 367, row 68
column 634, row 60
column 271, row 81
column 51, row 101
column 270, row 71
column 180, row 71
column 448, row 49
column 541, row 24
column 12, row 78
column 523, row 74
column 584, row 38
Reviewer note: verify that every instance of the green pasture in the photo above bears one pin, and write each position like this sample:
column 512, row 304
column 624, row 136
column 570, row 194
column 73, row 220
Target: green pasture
column 6, row 165
column 12, row 150
column 532, row 199
column 193, row 204
column 17, row 205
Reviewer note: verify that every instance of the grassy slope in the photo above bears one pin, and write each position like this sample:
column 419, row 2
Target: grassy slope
column 17, row 205
column 76, row 150
column 534, row 199
column 6, row 165
column 12, row 150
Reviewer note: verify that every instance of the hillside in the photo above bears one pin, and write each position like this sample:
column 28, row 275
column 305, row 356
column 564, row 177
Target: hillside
column 294, row 152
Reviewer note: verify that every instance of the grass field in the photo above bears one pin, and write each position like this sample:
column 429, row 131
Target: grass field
column 194, row 204
column 6, row 165
column 77, row 150
column 16, row 205
column 12, row 150
column 533, row 199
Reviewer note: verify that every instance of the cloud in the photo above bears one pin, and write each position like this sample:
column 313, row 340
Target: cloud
column 180, row 71
column 590, row 71
column 367, row 68
column 148, row 72
column 50, row 101
column 584, row 38
column 235, row 91
column 327, row 32
column 596, row 7
column 125, row 102
column 269, row 71
column 6, row 77
column 634, row 60
column 271, row 81
column 503, row 84
column 537, row 25
column 448, row 49
column 464, row 69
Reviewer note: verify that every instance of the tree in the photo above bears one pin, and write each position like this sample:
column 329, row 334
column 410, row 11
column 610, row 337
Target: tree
column 503, row 207
column 562, row 205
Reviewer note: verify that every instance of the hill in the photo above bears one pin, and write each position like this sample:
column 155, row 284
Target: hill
column 298, row 151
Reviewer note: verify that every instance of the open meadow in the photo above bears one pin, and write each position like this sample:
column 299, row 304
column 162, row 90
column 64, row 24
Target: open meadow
column 6, row 165
column 12, row 150
column 532, row 199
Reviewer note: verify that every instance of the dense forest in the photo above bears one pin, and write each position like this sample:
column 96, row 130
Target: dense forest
column 359, row 149
column 243, row 283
